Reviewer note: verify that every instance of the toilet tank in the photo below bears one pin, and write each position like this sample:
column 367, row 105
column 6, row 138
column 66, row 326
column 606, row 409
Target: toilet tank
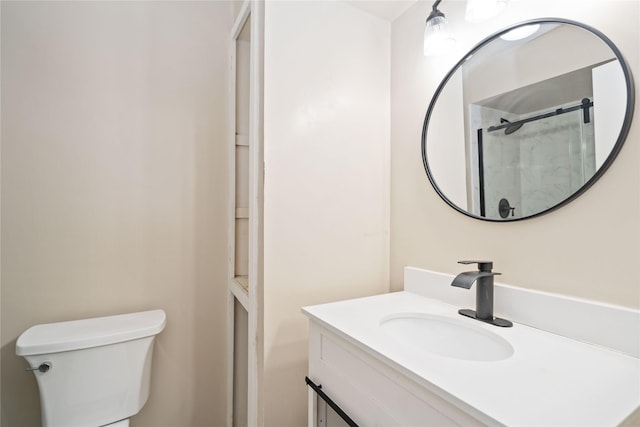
column 100, row 368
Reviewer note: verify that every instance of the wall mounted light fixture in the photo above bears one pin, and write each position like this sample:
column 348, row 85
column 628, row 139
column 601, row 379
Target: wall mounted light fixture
column 481, row 10
column 437, row 38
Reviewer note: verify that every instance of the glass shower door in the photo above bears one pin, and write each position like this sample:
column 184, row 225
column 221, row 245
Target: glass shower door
column 529, row 167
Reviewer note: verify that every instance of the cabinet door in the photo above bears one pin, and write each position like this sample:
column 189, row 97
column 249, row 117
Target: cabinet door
column 372, row 393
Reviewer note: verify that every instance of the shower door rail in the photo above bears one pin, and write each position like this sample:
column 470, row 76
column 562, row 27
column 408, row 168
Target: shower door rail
column 584, row 106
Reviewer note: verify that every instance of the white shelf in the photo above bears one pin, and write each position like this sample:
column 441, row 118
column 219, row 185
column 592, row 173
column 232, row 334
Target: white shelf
column 242, row 213
column 242, row 140
column 239, row 287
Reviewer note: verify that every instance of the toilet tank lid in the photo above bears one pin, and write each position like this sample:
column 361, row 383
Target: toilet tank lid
column 78, row 334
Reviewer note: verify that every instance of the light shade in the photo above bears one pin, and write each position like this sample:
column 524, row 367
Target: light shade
column 481, row 10
column 437, row 39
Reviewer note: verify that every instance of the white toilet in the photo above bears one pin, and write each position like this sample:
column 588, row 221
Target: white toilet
column 92, row 372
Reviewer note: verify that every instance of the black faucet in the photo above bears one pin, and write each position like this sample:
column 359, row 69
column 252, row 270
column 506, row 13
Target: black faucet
column 484, row 292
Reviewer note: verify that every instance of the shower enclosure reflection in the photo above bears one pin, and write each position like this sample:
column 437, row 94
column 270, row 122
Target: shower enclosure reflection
column 532, row 161
column 535, row 146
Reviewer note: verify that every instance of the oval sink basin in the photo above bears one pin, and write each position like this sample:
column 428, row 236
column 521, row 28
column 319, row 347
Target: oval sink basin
column 456, row 339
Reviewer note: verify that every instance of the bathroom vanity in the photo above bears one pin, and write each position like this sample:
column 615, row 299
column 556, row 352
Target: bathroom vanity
column 408, row 358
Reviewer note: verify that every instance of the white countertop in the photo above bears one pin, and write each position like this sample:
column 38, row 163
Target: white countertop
column 550, row 380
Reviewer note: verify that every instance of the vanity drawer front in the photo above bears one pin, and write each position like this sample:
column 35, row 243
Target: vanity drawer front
column 372, row 393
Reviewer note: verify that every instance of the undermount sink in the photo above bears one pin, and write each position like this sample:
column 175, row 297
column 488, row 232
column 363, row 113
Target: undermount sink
column 446, row 337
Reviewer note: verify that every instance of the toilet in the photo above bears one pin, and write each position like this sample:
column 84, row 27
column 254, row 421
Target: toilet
column 92, row 372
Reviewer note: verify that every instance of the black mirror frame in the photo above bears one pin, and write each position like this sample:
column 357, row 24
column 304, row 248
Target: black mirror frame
column 624, row 131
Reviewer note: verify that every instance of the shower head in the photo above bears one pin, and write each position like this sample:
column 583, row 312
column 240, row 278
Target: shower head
column 510, row 128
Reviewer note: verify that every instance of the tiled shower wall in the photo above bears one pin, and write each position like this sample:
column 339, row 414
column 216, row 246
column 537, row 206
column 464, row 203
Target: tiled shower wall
column 540, row 164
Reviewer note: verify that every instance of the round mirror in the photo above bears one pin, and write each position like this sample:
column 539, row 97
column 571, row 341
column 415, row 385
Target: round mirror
column 528, row 120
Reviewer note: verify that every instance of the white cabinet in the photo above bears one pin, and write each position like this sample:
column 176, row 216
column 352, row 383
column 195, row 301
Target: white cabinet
column 548, row 380
column 371, row 392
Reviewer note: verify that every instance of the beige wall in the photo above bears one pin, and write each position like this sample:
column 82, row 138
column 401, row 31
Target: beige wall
column 326, row 181
column 114, row 187
column 588, row 249
column 0, row 218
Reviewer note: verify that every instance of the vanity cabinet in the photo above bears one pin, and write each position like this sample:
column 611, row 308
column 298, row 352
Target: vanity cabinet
column 370, row 391
column 433, row 369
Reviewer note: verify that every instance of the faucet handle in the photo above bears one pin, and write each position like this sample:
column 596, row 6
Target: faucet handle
column 485, row 266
